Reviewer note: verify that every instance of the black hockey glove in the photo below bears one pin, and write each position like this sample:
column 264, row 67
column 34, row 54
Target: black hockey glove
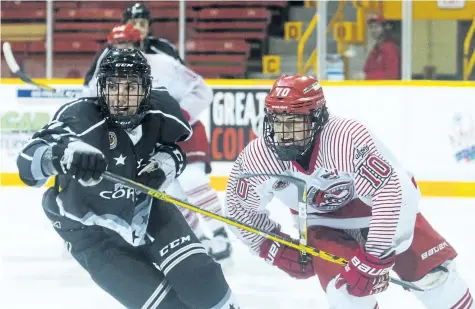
column 163, row 167
column 77, row 159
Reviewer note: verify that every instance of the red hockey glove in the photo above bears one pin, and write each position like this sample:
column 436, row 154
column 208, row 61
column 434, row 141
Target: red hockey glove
column 365, row 274
column 287, row 259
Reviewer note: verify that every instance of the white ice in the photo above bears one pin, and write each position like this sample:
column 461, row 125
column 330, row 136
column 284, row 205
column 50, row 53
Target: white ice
column 33, row 273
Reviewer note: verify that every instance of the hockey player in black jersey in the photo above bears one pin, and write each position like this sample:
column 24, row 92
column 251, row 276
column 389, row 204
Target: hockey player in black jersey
column 140, row 17
column 138, row 249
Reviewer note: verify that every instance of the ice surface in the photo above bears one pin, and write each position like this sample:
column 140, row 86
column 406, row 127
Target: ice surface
column 34, row 275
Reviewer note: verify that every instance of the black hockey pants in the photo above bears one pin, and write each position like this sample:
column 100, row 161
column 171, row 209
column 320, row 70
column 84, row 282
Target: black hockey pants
column 172, row 271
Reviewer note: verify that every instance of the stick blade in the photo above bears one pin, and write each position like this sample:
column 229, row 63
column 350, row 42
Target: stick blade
column 15, row 68
column 9, row 58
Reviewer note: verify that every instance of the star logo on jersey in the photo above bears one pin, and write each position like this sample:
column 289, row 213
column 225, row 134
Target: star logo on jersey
column 144, row 219
column 120, row 160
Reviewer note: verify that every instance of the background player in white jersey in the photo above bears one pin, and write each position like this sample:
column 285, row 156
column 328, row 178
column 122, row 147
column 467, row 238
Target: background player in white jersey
column 194, row 97
column 362, row 205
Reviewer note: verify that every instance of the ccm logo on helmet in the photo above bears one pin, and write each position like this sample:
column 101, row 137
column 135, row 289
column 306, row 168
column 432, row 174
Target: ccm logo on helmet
column 124, row 65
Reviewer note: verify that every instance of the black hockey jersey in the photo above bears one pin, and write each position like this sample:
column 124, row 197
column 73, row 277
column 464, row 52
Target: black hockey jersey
column 109, row 205
column 151, row 45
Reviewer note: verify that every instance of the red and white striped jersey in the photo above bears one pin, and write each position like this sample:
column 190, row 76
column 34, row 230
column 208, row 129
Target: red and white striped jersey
column 360, row 185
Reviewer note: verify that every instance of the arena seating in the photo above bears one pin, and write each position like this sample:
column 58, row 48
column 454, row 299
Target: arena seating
column 219, row 33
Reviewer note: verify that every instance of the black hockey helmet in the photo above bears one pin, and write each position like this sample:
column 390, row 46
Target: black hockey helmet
column 124, row 84
column 138, row 10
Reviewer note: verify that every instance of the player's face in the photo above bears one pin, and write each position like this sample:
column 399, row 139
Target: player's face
column 140, row 24
column 123, row 95
column 375, row 30
column 291, row 130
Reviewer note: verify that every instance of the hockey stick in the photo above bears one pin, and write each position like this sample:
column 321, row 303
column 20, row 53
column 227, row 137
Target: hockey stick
column 302, row 214
column 302, row 206
column 268, row 235
column 15, row 68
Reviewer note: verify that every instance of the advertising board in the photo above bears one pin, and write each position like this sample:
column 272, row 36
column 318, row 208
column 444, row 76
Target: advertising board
column 429, row 126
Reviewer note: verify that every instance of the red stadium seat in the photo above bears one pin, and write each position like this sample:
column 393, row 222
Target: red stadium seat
column 232, row 25
column 95, row 36
column 35, row 65
column 20, row 46
column 171, row 13
column 235, row 13
column 105, row 4
column 170, row 30
column 65, row 4
column 5, row 71
column 218, row 46
column 63, row 68
column 218, row 58
column 36, row 14
column 24, row 5
column 82, row 46
column 218, row 3
column 218, row 71
column 36, row 47
column 231, row 35
column 59, row 46
column 89, row 13
column 165, row 13
column 86, row 26
column 216, row 31
column 162, row 4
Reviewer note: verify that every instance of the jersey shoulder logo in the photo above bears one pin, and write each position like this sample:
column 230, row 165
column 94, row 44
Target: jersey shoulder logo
column 336, row 196
column 112, row 140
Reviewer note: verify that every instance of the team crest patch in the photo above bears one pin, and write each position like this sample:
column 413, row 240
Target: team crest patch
column 280, row 185
column 112, row 140
column 332, row 198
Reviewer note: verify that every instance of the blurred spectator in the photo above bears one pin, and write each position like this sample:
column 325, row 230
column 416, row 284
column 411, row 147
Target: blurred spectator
column 384, row 59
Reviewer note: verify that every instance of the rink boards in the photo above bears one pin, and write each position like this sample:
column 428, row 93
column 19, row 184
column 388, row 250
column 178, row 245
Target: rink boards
column 429, row 126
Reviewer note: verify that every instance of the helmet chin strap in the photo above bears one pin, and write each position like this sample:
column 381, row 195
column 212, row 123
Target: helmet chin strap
column 304, row 158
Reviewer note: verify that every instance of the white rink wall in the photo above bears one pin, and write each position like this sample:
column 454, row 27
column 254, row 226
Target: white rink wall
column 430, row 127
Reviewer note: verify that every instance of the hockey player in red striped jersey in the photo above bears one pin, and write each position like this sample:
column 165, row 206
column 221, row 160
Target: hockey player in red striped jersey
column 362, row 204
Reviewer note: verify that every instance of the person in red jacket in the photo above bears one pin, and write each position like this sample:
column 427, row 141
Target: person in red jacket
column 384, row 60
